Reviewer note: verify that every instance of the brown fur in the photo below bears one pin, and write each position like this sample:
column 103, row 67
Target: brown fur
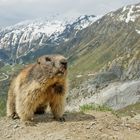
column 39, row 85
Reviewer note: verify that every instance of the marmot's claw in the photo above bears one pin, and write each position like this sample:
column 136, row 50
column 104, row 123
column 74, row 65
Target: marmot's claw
column 15, row 117
column 61, row 119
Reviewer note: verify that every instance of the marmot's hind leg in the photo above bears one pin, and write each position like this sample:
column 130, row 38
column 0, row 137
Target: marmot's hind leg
column 25, row 108
column 11, row 112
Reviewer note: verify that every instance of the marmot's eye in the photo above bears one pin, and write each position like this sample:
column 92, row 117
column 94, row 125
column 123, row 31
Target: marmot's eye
column 47, row 59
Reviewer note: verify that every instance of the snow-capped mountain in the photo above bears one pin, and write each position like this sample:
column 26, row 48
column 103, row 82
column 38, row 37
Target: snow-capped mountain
column 25, row 37
column 130, row 13
column 112, row 42
column 22, row 36
column 30, row 39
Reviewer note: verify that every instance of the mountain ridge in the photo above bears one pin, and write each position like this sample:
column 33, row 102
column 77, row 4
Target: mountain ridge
column 22, row 38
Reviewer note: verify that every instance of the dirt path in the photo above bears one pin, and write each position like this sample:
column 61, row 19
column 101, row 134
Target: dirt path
column 78, row 126
column 5, row 77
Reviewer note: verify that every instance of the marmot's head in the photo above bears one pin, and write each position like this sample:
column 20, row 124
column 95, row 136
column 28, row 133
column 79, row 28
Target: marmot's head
column 53, row 65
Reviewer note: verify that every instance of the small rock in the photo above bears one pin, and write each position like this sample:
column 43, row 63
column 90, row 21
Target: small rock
column 16, row 126
column 8, row 136
column 104, row 136
column 115, row 128
column 100, row 129
column 113, row 138
column 74, row 129
column 49, row 135
column 127, row 125
column 88, row 127
column 9, row 125
column 93, row 123
column 87, row 137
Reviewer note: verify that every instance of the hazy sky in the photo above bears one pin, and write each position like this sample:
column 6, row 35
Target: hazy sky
column 13, row 11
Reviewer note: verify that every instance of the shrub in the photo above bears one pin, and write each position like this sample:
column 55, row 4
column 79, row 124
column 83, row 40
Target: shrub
column 96, row 107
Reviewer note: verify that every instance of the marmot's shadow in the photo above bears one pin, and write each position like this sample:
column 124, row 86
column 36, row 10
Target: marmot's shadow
column 69, row 117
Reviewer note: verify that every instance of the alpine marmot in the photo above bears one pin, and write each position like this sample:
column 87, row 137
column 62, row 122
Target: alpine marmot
column 39, row 85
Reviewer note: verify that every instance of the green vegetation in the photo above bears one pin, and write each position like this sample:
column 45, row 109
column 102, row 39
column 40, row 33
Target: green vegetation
column 8, row 69
column 130, row 110
column 2, row 105
column 96, row 107
column 91, row 62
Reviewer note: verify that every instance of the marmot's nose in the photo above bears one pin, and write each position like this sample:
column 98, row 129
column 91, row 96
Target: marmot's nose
column 64, row 63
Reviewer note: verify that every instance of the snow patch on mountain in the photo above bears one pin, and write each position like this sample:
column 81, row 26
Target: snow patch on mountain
column 127, row 14
column 50, row 27
column 28, row 36
column 85, row 21
column 138, row 31
column 124, row 8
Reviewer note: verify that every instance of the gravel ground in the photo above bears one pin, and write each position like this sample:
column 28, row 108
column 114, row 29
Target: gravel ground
column 91, row 125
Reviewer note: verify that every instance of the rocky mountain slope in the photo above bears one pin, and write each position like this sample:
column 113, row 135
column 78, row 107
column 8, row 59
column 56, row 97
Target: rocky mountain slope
column 30, row 36
column 109, row 52
column 108, row 40
column 115, row 95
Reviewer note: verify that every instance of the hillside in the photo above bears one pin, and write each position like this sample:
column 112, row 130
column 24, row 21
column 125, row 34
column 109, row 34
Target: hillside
column 114, row 36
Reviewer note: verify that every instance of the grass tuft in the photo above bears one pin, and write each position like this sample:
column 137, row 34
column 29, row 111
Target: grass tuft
column 96, row 107
column 2, row 106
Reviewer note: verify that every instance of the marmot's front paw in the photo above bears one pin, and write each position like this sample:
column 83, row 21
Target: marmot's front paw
column 60, row 119
column 13, row 116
